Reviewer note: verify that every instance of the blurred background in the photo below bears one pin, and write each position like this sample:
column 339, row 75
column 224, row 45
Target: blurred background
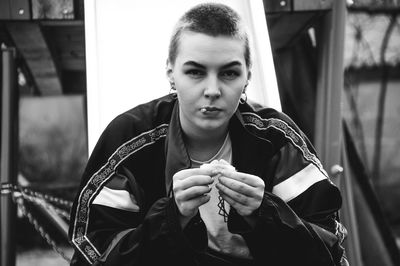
column 338, row 72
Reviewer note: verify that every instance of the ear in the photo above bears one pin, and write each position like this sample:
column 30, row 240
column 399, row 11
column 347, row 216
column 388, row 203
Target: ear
column 169, row 72
column 248, row 75
column 247, row 83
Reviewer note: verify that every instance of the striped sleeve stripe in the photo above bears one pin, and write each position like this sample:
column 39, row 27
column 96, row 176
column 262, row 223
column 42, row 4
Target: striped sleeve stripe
column 119, row 199
column 290, row 133
column 298, row 183
column 96, row 182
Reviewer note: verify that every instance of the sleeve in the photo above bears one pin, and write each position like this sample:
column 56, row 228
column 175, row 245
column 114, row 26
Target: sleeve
column 112, row 225
column 297, row 222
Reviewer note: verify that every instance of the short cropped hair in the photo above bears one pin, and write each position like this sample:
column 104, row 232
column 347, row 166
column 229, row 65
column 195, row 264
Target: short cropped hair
column 211, row 19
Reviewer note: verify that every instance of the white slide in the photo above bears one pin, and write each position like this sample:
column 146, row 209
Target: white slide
column 126, row 52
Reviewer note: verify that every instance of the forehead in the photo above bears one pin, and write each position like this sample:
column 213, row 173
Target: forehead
column 207, row 49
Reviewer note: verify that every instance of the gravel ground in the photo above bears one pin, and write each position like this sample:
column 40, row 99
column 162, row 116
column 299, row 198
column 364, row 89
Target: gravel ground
column 42, row 257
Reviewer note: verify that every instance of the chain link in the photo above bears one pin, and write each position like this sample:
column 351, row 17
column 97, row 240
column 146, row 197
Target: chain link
column 45, row 204
column 20, row 194
column 20, row 202
column 8, row 188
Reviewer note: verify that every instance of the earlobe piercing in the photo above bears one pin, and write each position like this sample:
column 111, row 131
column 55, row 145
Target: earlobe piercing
column 243, row 98
column 173, row 88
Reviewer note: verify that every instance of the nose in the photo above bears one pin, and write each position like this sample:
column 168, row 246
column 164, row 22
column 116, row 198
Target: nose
column 212, row 88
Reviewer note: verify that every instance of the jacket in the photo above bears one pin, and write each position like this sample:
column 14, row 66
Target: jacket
column 125, row 214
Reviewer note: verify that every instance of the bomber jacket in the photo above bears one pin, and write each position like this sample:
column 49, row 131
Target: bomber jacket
column 125, row 214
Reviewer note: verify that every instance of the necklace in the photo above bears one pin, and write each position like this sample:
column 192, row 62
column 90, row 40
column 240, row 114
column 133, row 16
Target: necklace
column 216, row 155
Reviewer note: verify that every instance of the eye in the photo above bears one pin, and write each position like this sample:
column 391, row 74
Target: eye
column 230, row 74
column 195, row 73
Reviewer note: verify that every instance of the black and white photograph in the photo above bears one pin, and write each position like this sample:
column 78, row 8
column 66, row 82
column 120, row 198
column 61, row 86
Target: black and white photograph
column 200, row 132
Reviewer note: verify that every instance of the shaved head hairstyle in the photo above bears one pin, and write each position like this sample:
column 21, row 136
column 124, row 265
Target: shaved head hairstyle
column 212, row 19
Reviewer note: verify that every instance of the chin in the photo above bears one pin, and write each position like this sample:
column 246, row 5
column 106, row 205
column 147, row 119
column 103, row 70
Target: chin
column 212, row 125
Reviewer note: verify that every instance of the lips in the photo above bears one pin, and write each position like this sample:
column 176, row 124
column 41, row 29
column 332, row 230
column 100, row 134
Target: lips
column 210, row 109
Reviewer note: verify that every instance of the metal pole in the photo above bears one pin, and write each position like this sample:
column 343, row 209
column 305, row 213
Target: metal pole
column 328, row 125
column 9, row 154
column 328, row 120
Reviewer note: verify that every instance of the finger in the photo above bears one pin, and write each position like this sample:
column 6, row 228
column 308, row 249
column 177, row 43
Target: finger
column 190, row 207
column 248, row 179
column 235, row 196
column 237, row 186
column 197, row 180
column 242, row 209
column 196, row 202
column 193, row 192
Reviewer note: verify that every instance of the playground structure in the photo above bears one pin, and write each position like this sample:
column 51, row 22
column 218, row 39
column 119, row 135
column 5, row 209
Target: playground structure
column 288, row 21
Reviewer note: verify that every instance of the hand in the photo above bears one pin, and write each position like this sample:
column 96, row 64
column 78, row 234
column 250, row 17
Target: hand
column 242, row 191
column 191, row 188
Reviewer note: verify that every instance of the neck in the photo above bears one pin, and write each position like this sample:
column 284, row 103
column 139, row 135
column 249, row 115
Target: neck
column 202, row 147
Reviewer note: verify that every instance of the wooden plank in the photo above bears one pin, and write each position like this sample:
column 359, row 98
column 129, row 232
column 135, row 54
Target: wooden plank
column 31, row 44
column 284, row 28
column 275, row 6
column 67, row 44
column 308, row 5
column 20, row 10
column 279, row 6
column 5, row 9
column 4, row 36
column 52, row 9
column 74, row 82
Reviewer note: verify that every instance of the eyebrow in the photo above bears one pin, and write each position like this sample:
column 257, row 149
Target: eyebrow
column 195, row 64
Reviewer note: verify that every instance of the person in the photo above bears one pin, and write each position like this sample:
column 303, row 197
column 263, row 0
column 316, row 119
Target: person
column 203, row 176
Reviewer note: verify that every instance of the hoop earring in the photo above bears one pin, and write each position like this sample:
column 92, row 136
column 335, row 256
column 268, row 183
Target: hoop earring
column 243, row 98
column 172, row 90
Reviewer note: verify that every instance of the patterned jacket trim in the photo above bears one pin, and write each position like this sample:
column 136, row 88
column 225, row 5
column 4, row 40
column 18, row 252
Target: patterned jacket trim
column 97, row 181
column 251, row 119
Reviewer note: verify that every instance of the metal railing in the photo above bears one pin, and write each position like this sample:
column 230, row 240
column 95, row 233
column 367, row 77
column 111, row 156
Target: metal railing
column 56, row 209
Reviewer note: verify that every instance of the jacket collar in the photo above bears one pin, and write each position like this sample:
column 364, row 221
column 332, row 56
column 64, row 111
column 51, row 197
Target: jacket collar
column 177, row 157
column 250, row 153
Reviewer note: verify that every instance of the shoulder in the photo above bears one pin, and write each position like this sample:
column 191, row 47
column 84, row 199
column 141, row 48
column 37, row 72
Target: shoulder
column 265, row 120
column 142, row 118
column 291, row 147
column 282, row 132
column 276, row 127
column 138, row 126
